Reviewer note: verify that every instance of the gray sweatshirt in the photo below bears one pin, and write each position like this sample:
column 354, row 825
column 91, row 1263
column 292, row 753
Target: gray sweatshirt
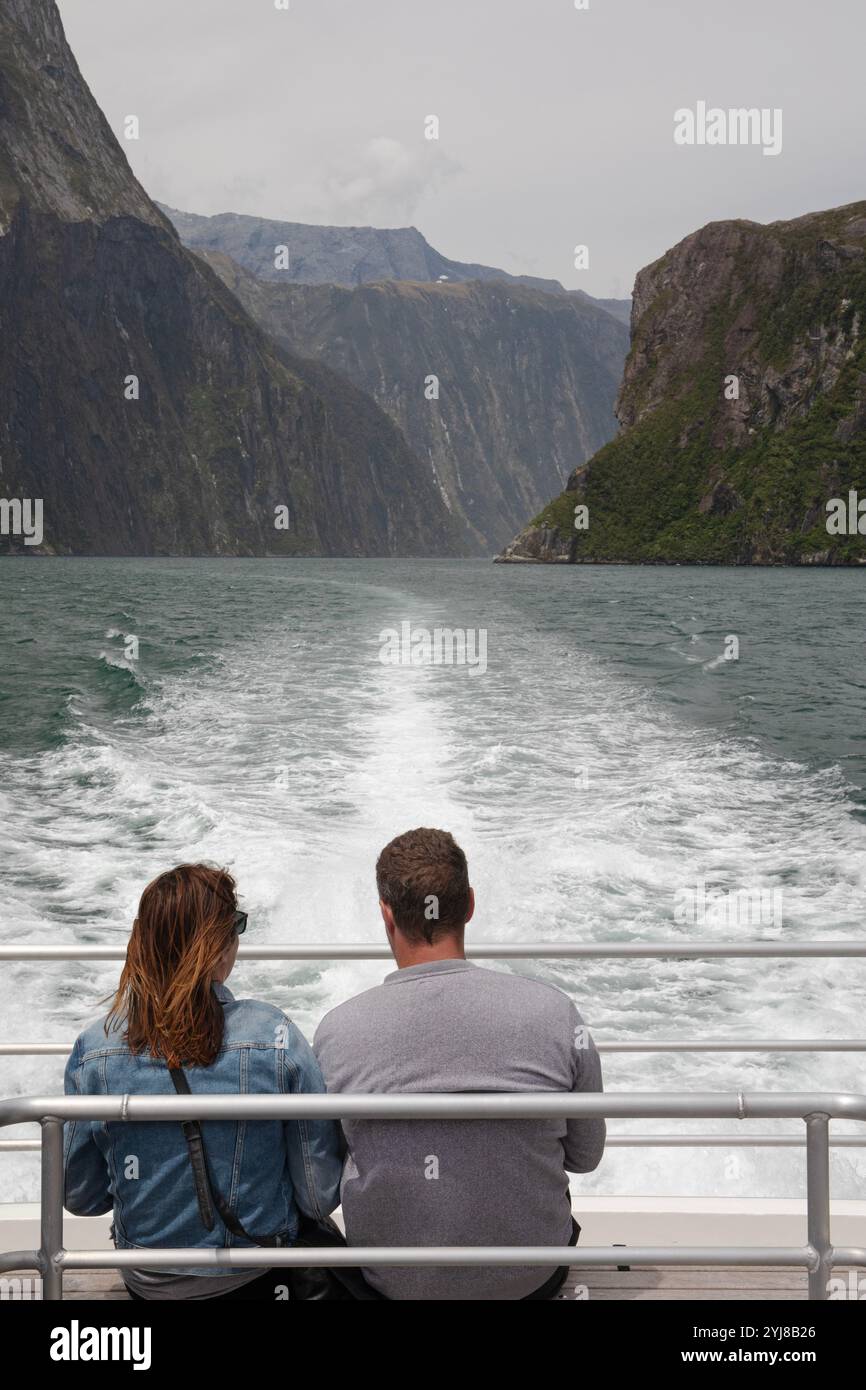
column 451, row 1026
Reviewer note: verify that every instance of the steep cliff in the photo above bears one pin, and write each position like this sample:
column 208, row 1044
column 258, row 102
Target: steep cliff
column 137, row 398
column 525, row 380
column 743, row 406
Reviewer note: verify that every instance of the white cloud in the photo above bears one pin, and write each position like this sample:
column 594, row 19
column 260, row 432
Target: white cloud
column 385, row 183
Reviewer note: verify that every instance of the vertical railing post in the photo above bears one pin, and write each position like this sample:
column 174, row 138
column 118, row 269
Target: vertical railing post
column 818, row 1203
column 51, row 1227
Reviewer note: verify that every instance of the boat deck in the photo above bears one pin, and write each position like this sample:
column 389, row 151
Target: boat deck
column 686, row 1283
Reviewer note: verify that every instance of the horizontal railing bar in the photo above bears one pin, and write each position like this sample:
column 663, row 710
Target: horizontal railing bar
column 18, row 1259
column 722, row 1141
column 793, row 1256
column 716, row 1105
column 623, row 1141
column 733, row 1045
column 849, row 1255
column 658, row 1045
column 486, row 950
column 589, row 1257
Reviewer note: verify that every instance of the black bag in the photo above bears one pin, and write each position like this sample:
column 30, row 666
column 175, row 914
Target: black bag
column 314, row 1284
column 310, row 1284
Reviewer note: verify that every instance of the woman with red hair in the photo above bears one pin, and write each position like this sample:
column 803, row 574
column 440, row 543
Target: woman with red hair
column 173, row 1026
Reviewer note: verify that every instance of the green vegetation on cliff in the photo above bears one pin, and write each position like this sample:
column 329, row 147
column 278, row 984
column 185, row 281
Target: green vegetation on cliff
column 698, row 477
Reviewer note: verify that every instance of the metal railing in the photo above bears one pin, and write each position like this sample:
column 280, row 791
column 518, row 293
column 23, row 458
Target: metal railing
column 816, row 1109
column 509, row 950
column 488, row 950
column 544, row 950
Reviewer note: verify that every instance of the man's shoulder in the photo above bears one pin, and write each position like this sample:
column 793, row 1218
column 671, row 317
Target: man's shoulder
column 522, row 992
column 525, row 991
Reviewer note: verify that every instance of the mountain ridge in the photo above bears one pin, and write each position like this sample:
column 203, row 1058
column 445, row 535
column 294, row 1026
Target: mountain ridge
column 346, row 256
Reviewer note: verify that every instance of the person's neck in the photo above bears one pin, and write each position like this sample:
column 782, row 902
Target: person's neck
column 408, row 953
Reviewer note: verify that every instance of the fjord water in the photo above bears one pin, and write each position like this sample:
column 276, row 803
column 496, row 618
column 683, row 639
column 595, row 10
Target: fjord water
column 608, row 757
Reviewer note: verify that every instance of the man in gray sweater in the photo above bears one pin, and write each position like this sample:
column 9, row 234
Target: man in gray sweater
column 441, row 1024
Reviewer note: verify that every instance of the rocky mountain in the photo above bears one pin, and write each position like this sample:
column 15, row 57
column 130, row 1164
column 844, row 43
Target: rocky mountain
column 138, row 400
column 346, row 256
column 743, row 408
column 500, row 388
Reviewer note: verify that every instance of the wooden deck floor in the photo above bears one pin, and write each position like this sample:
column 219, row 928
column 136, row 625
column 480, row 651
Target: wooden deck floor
column 689, row 1283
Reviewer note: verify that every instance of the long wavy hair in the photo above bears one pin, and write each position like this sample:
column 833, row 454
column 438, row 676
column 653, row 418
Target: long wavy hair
column 184, row 925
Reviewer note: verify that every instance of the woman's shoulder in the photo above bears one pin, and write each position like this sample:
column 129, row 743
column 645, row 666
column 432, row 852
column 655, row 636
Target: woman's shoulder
column 254, row 1021
column 102, row 1035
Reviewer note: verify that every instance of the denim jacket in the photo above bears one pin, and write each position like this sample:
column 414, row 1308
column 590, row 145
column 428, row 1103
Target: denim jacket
column 267, row 1170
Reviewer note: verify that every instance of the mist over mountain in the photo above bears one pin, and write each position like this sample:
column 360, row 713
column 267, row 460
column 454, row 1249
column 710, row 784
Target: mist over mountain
column 743, row 408
column 141, row 403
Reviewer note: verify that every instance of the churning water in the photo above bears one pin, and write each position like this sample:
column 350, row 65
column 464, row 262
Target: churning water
column 608, row 759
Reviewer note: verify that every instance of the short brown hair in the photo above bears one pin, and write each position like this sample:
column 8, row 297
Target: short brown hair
column 185, row 922
column 422, row 876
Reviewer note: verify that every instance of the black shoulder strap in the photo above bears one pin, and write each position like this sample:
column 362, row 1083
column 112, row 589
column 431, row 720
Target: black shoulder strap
column 209, row 1196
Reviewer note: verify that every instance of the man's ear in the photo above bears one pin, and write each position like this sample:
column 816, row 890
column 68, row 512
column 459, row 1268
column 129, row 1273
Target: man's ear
column 471, row 905
column 388, row 919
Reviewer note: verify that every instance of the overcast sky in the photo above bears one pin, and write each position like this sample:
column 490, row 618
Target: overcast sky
column 556, row 125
